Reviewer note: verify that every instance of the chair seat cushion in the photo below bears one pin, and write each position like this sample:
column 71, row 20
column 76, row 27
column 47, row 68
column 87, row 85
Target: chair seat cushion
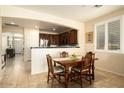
column 78, row 69
column 58, row 69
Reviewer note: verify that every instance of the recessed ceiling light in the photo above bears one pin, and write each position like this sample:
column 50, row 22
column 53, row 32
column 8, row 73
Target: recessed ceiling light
column 12, row 23
column 54, row 29
column 98, row 6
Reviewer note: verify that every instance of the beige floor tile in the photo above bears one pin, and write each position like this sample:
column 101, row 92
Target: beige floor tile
column 17, row 75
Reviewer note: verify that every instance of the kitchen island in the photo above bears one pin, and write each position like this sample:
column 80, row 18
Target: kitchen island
column 38, row 56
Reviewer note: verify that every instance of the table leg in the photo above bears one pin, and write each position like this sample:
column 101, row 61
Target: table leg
column 93, row 71
column 66, row 76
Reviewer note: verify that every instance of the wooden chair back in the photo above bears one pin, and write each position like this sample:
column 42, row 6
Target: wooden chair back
column 87, row 60
column 64, row 54
column 93, row 58
column 50, row 64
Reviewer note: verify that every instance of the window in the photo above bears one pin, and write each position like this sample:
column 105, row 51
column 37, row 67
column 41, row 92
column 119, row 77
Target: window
column 114, row 35
column 107, row 35
column 100, row 36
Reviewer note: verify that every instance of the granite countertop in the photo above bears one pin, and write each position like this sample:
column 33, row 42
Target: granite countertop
column 57, row 47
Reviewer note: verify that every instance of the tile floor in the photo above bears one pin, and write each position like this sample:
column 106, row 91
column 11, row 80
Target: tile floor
column 17, row 75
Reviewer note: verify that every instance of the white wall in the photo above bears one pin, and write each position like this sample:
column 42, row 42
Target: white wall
column 112, row 62
column 4, row 42
column 31, row 39
column 0, row 42
column 18, row 45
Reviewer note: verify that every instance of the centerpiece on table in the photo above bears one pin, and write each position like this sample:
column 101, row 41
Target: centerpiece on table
column 73, row 56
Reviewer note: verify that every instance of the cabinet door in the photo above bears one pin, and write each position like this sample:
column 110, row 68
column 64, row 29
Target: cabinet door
column 56, row 38
column 73, row 37
column 61, row 39
column 51, row 39
column 64, row 38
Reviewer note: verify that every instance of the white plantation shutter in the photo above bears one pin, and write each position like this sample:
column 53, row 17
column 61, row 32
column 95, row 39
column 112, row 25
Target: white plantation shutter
column 109, row 35
column 100, row 30
column 114, row 35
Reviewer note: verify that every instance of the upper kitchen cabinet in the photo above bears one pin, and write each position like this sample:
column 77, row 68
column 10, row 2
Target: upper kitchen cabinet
column 54, row 40
column 65, row 38
column 69, row 37
column 72, row 36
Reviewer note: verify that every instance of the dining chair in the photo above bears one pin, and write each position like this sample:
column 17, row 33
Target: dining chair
column 64, row 54
column 84, row 69
column 93, row 65
column 54, row 72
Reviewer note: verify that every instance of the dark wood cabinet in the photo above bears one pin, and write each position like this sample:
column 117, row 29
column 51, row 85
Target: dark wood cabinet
column 73, row 37
column 65, row 38
column 69, row 37
column 50, row 39
column 56, row 39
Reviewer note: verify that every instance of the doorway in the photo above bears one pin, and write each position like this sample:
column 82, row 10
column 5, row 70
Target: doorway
column 12, row 44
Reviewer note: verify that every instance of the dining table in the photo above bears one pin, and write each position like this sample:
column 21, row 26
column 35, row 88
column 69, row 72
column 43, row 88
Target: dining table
column 69, row 62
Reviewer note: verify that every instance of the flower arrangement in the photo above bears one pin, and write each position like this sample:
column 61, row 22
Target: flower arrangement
column 73, row 56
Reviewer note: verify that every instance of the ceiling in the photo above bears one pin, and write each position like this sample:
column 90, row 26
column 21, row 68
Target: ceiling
column 42, row 26
column 75, row 12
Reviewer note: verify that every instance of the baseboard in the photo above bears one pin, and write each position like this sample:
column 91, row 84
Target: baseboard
column 110, row 71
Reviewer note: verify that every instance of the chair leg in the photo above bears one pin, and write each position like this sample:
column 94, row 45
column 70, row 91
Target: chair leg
column 48, row 78
column 52, row 82
column 68, row 78
column 74, row 76
column 90, row 77
column 59, row 78
column 81, row 80
column 71, row 77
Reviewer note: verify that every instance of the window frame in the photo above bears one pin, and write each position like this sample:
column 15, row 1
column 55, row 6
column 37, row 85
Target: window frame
column 95, row 35
column 106, row 35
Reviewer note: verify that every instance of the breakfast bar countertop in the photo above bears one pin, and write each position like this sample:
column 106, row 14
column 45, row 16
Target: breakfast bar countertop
column 57, row 47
